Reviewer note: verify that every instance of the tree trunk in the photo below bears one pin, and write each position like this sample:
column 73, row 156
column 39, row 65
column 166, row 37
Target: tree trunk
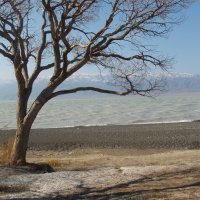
column 24, row 124
column 20, row 145
column 18, row 153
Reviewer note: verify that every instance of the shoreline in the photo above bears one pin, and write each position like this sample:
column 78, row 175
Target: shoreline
column 185, row 135
column 105, row 125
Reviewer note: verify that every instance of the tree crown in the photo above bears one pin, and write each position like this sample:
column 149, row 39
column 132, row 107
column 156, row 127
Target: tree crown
column 67, row 35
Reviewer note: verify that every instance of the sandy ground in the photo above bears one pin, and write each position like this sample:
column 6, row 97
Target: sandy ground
column 87, row 159
column 160, row 161
column 106, row 174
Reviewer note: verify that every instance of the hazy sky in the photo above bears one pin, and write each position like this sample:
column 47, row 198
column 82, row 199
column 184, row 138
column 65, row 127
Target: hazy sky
column 183, row 44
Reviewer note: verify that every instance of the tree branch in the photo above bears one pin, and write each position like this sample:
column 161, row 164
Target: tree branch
column 89, row 89
column 6, row 54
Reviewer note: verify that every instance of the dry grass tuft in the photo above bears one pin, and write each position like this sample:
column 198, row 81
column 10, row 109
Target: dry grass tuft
column 6, row 150
column 53, row 162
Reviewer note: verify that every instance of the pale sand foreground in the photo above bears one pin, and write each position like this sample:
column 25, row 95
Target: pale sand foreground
column 108, row 174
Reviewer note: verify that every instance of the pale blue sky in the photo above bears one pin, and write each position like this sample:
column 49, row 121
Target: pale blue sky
column 183, row 44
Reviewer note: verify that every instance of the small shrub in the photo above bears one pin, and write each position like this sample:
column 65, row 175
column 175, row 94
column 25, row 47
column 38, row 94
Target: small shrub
column 6, row 150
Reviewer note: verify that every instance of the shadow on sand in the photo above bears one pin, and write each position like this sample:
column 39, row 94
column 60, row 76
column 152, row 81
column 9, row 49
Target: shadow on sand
column 158, row 186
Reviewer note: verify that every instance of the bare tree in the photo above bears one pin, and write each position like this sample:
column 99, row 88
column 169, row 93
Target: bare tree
column 66, row 35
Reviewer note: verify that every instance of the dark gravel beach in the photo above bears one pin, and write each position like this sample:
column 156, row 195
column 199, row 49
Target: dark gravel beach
column 143, row 136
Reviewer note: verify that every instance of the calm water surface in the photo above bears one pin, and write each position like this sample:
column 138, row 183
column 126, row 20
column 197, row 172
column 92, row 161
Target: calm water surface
column 108, row 110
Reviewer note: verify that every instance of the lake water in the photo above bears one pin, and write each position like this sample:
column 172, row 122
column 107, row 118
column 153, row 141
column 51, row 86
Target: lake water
column 108, row 110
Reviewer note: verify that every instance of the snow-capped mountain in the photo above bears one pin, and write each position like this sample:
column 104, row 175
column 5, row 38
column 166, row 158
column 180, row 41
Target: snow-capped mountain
column 175, row 82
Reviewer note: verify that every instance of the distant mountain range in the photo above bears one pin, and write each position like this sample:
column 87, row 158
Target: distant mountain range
column 175, row 83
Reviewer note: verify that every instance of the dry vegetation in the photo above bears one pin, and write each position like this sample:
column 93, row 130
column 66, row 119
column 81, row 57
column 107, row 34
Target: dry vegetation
column 84, row 159
column 5, row 151
column 53, row 162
